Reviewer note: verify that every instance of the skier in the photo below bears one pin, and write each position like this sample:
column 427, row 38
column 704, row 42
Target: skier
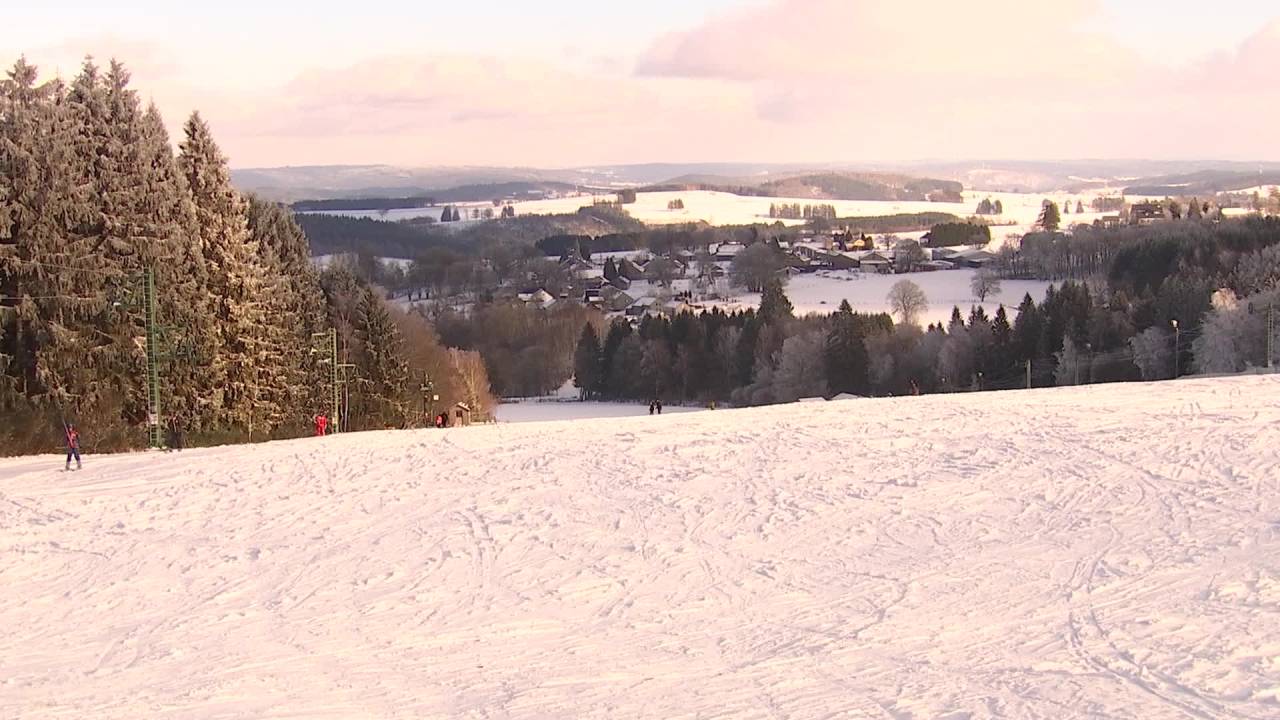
column 659, row 404
column 322, row 424
column 174, row 439
column 73, row 445
column 652, row 404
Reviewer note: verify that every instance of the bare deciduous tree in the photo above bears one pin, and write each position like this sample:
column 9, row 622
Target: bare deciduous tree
column 907, row 301
column 985, row 283
column 474, row 380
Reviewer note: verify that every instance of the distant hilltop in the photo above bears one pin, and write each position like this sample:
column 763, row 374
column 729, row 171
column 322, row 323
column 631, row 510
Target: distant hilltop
column 851, row 181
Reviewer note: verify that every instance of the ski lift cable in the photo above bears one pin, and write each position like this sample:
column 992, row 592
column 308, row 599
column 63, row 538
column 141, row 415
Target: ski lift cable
column 68, row 268
column 48, row 297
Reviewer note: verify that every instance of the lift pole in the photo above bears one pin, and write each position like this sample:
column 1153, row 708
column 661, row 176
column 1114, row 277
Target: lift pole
column 155, row 430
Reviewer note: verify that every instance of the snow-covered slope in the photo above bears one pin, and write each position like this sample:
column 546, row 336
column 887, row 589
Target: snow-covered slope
column 722, row 208
column 1108, row 551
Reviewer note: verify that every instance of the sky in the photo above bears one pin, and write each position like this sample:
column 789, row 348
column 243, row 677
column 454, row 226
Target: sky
column 561, row 83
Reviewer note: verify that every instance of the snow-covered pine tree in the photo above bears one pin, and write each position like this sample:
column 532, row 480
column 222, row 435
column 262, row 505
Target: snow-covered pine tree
column 1073, row 366
column 95, row 357
column 192, row 395
column 35, row 196
column 236, row 280
column 383, row 372
column 294, row 383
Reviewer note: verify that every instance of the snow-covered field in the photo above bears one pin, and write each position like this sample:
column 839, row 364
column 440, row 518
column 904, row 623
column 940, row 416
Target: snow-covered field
column 1097, row 552
column 399, row 214
column 866, row 292
column 719, row 208
column 1021, row 210
column 546, row 411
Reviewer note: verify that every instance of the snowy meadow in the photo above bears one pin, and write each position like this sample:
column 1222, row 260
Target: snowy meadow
column 1103, row 551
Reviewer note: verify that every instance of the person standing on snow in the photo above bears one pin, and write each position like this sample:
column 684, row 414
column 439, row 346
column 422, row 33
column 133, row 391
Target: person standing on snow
column 322, row 424
column 73, row 445
column 174, row 439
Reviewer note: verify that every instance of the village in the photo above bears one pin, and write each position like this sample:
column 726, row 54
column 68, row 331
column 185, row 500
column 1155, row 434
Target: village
column 639, row 283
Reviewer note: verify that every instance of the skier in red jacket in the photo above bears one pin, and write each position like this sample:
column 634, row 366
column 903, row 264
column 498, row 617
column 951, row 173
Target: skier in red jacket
column 73, row 445
column 322, row 425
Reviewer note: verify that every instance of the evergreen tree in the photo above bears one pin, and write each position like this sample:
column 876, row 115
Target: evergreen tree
column 37, row 208
column 625, row 372
column 610, row 270
column 1027, row 329
column 182, row 282
column 846, row 353
column 293, row 383
column 1050, row 219
column 745, row 352
column 588, row 368
column 1002, row 361
column 105, row 247
column 775, row 307
column 656, row 368
column 236, row 280
column 382, row 369
column 612, row 385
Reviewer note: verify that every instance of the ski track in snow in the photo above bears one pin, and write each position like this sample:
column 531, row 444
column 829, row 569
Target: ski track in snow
column 1098, row 552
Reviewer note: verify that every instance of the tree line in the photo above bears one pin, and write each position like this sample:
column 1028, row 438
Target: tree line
column 754, row 357
column 93, row 199
column 370, row 203
column 958, row 234
column 1171, row 301
column 987, row 207
column 794, row 211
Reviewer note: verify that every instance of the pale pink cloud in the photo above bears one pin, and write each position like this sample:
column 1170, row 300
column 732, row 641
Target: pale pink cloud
column 481, row 110
column 985, row 78
column 854, row 39
column 790, row 80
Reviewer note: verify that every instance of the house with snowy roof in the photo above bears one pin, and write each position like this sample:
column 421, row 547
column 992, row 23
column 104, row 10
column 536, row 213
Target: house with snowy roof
column 974, row 258
column 873, row 261
column 630, row 270
column 727, row 251
column 536, row 296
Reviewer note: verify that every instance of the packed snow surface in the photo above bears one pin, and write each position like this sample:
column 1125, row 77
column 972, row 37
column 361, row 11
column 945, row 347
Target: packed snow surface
column 1099, row 552
column 535, row 411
